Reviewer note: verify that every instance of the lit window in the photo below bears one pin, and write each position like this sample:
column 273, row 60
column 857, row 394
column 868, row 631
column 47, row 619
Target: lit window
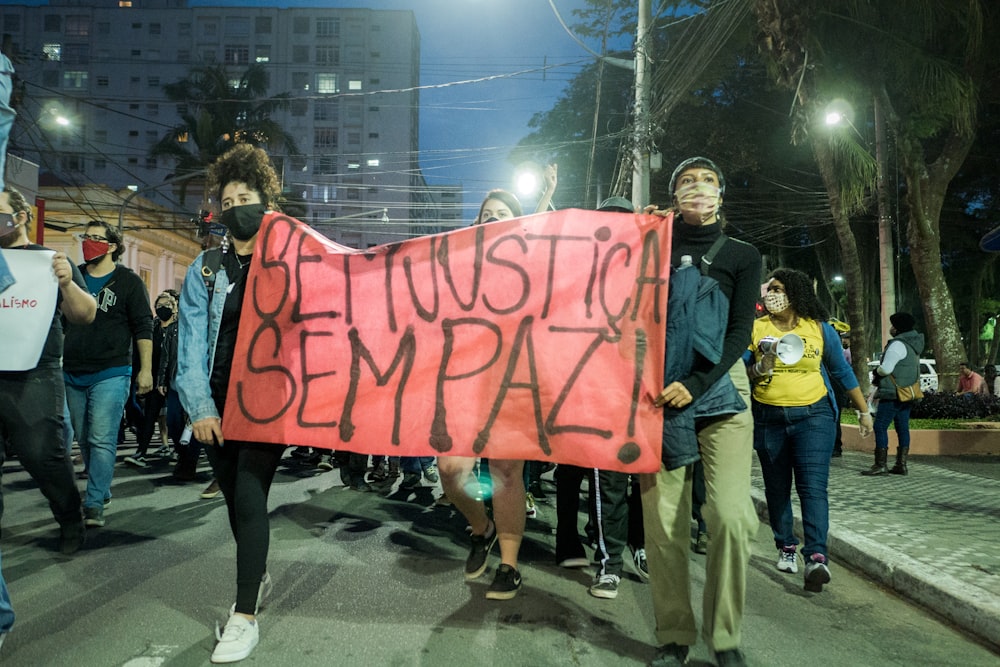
column 326, row 83
column 52, row 51
column 373, row 162
column 354, row 84
column 353, row 164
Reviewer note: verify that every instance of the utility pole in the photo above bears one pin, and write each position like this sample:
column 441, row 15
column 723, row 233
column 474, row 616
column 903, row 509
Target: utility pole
column 641, row 134
column 887, row 279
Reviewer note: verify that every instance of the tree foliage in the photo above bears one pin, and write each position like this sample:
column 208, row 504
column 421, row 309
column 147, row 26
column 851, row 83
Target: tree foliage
column 221, row 111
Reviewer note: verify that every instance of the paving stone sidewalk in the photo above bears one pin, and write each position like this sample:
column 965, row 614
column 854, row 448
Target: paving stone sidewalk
column 932, row 536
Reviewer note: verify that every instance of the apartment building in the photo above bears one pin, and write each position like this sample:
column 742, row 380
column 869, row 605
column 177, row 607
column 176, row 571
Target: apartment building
column 93, row 102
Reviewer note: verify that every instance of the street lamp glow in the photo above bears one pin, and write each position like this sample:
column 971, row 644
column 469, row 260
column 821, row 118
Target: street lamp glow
column 838, row 279
column 62, row 120
column 527, row 184
column 834, row 118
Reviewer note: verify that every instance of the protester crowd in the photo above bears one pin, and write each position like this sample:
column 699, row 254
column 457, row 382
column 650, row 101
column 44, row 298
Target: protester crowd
column 722, row 400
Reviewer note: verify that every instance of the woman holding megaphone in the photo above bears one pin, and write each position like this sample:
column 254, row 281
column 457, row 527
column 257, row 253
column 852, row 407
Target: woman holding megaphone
column 791, row 362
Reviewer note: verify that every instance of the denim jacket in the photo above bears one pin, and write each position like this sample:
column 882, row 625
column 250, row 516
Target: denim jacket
column 199, row 318
column 697, row 314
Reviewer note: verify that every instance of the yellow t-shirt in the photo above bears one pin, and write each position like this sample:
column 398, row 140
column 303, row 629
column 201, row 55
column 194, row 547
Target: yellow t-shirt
column 800, row 383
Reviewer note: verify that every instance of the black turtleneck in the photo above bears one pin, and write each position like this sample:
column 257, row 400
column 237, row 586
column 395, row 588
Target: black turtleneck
column 737, row 269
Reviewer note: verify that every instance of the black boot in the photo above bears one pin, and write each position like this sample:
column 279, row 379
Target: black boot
column 879, row 468
column 900, row 467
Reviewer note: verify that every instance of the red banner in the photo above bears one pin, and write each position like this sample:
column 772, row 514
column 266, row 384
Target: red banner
column 536, row 338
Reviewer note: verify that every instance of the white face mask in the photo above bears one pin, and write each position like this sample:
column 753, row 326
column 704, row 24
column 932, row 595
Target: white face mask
column 776, row 302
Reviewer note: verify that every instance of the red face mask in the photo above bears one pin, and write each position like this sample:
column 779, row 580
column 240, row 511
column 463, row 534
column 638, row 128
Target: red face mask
column 93, row 250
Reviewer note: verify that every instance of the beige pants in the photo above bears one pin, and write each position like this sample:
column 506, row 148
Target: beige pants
column 726, row 448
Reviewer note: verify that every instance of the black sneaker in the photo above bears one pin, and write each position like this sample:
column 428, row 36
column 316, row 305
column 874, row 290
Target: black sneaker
column 605, row 586
column 505, row 584
column 671, row 655
column 71, row 537
column 730, row 658
column 475, row 564
column 410, row 480
column 93, row 517
column 326, row 462
column 138, row 460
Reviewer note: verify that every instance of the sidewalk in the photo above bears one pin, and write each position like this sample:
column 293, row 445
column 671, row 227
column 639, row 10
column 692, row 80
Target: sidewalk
column 932, row 536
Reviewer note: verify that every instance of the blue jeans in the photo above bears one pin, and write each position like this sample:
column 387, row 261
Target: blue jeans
column 415, row 463
column 97, row 413
column 892, row 412
column 796, row 441
column 68, row 435
column 6, row 611
column 7, row 114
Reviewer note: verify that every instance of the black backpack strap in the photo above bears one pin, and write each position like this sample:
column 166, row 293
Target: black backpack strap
column 210, row 264
column 709, row 257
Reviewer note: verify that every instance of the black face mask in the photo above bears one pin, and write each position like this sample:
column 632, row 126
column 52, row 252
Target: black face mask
column 164, row 313
column 243, row 221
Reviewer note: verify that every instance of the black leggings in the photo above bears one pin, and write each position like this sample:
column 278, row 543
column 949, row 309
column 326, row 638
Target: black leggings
column 244, row 471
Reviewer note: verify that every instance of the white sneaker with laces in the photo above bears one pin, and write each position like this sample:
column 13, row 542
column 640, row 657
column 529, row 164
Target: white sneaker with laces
column 787, row 561
column 237, row 640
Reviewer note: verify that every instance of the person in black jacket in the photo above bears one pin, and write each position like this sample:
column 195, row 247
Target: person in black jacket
column 164, row 334
column 725, row 443
column 97, row 362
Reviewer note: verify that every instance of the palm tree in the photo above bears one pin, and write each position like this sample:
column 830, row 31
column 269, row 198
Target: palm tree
column 921, row 61
column 221, row 111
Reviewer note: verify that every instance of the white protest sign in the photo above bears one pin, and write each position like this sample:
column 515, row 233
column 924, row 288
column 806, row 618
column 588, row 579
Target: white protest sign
column 26, row 308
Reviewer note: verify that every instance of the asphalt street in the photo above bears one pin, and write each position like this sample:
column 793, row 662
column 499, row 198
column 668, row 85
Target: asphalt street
column 376, row 579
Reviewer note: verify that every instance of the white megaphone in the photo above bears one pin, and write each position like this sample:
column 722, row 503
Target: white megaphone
column 788, row 348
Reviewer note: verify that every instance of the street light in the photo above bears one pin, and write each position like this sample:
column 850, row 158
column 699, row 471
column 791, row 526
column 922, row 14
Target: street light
column 839, row 112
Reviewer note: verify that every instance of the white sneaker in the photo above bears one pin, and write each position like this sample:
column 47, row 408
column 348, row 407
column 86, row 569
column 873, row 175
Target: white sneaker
column 817, row 573
column 787, row 561
column 531, row 507
column 237, row 640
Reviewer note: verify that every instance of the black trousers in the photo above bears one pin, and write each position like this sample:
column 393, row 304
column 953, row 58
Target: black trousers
column 244, row 471
column 31, row 426
column 614, row 509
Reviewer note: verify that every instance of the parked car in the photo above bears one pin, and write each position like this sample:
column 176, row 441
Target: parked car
column 928, row 373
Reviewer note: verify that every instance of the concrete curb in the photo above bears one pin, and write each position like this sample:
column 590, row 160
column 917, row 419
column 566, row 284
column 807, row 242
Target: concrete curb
column 960, row 603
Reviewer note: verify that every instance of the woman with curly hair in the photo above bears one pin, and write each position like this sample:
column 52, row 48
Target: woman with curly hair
column 245, row 187
column 795, row 417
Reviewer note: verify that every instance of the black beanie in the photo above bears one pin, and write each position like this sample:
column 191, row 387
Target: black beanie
column 902, row 322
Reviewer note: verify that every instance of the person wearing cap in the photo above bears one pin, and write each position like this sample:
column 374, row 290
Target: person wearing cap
column 725, row 443
column 900, row 361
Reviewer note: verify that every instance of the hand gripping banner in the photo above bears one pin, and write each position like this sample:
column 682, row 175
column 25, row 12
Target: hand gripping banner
column 536, row 338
